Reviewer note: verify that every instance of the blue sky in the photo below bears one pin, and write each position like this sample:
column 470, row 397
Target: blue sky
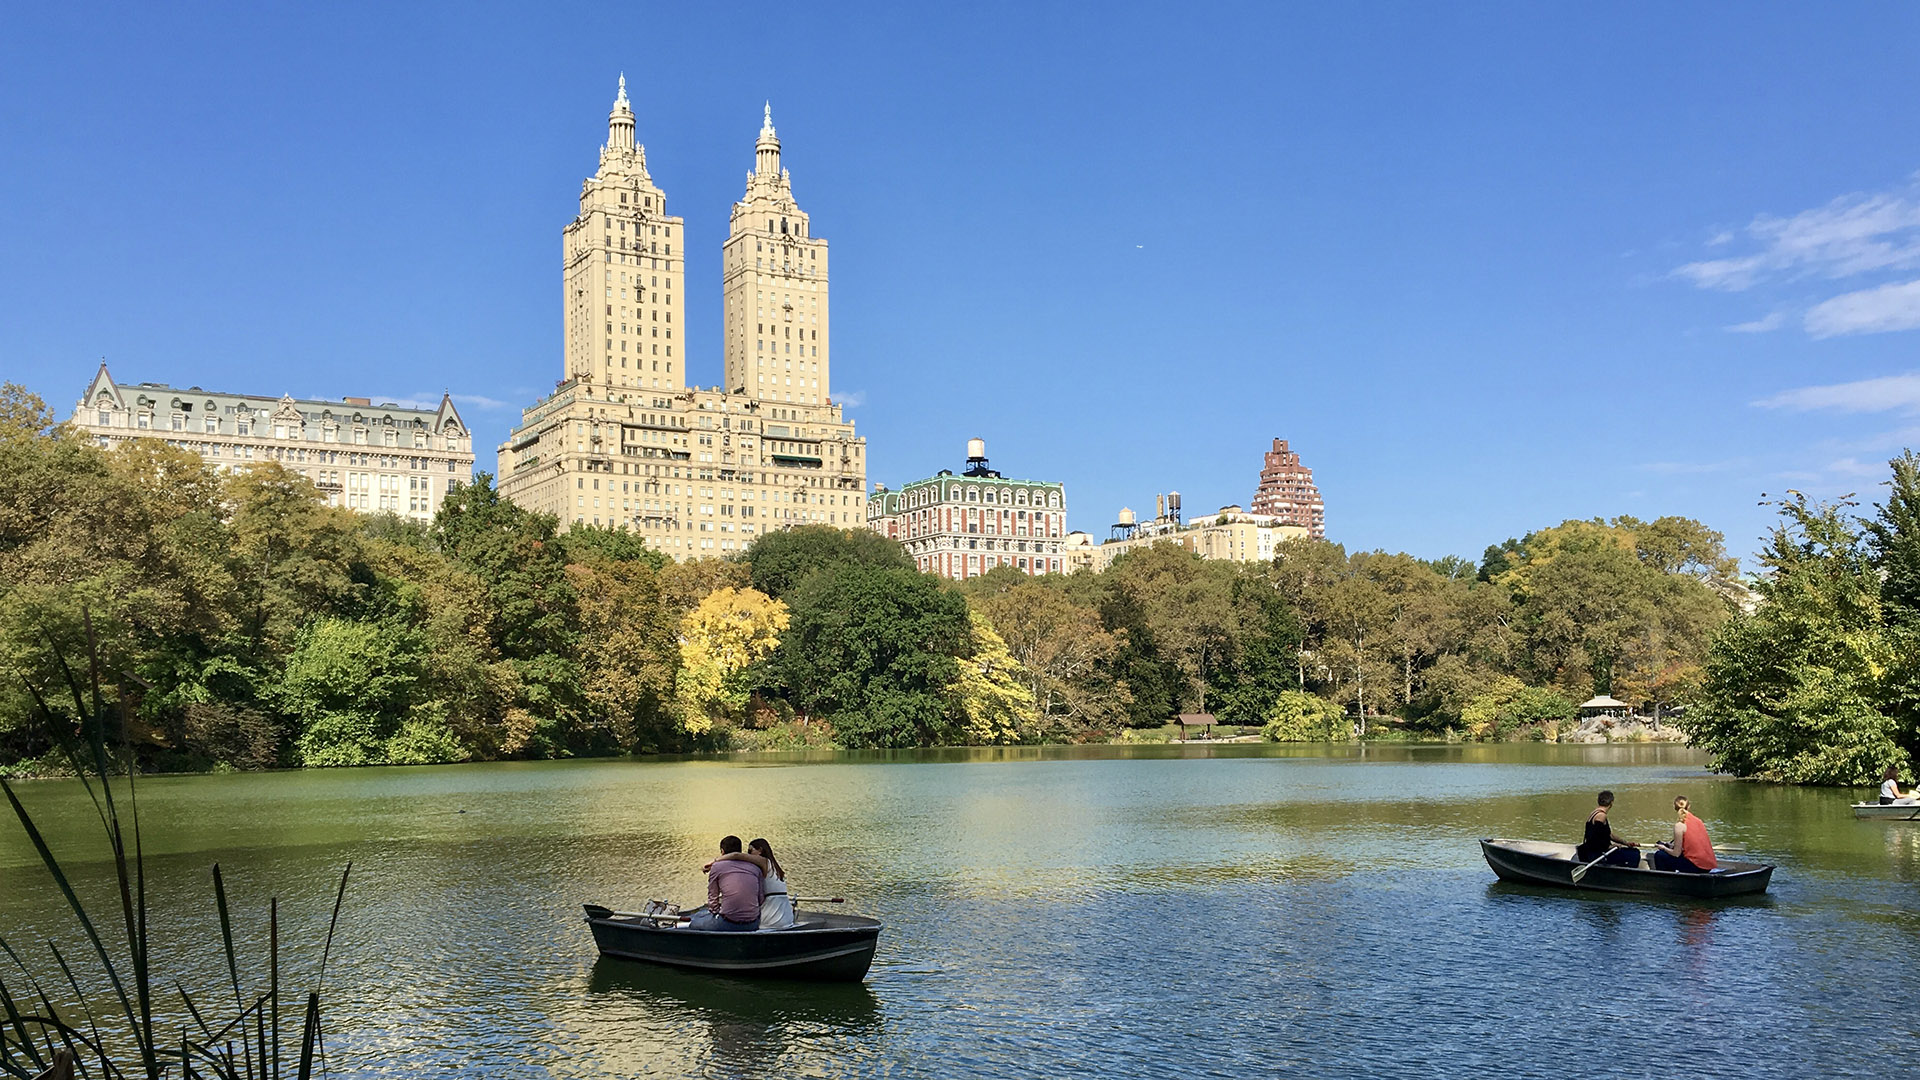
column 1486, row 266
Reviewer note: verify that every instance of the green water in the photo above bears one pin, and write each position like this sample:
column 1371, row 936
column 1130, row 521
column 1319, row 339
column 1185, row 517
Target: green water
column 1115, row 912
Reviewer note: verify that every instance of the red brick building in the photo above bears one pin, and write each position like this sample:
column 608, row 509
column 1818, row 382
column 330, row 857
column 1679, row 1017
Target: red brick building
column 1287, row 492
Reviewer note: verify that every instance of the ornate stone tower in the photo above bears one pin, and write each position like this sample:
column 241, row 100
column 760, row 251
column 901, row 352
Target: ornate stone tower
column 624, row 264
column 776, row 332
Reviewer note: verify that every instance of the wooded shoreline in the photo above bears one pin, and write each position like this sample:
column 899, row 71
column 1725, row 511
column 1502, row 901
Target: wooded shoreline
column 247, row 625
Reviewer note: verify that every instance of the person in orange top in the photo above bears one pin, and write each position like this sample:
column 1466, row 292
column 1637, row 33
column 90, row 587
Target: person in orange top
column 1691, row 850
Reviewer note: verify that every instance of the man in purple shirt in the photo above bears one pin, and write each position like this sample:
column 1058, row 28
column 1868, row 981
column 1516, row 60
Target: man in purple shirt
column 733, row 893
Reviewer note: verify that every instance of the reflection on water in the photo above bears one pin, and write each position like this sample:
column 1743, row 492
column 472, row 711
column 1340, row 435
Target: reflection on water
column 740, row 1026
column 1130, row 912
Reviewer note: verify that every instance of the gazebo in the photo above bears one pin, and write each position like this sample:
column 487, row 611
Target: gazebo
column 1604, row 706
column 1202, row 720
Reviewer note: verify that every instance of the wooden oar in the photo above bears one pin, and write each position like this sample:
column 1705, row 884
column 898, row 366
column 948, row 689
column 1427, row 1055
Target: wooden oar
column 819, row 900
column 1581, row 871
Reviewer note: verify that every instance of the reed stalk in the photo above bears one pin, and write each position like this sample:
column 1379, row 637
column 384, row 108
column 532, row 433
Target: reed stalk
column 126, row 1041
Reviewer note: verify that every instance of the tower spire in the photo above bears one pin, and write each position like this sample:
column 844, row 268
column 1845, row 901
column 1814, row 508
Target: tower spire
column 620, row 120
column 766, row 150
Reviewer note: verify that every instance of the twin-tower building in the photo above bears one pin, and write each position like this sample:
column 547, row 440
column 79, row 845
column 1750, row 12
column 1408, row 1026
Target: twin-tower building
column 625, row 439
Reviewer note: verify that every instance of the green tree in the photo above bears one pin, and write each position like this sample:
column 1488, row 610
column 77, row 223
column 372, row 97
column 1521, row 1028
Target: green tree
column 874, row 650
column 354, row 688
column 1266, row 649
column 531, row 609
column 1792, row 691
column 604, row 543
column 629, row 656
column 1510, row 704
column 1302, row 717
column 780, row 561
column 1186, row 606
column 1065, row 653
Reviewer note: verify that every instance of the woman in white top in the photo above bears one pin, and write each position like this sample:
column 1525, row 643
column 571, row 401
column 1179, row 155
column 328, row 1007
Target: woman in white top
column 1890, row 789
column 776, row 907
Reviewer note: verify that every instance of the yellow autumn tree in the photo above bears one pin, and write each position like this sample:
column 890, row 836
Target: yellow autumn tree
column 728, row 630
column 992, row 692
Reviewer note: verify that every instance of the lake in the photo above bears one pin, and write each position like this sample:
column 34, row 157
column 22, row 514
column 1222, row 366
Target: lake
column 1233, row 910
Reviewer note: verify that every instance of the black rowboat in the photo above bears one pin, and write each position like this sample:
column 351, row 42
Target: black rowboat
column 819, row 946
column 1535, row 862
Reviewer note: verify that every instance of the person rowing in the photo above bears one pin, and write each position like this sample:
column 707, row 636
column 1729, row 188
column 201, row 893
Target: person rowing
column 1691, row 850
column 1600, row 843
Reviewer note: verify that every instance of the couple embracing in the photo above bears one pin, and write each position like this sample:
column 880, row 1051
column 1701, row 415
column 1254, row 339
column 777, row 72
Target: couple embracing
column 746, row 890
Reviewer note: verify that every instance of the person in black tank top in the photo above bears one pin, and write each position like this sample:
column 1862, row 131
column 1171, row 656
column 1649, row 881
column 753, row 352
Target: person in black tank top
column 1599, row 839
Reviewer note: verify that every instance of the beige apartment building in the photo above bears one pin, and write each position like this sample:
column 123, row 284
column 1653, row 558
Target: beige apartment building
column 382, row 458
column 1232, row 534
column 624, row 440
column 962, row 526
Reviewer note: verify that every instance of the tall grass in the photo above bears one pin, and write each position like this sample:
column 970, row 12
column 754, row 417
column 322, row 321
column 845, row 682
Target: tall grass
column 241, row 1041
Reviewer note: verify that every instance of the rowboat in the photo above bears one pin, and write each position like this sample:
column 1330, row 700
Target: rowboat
column 819, row 946
column 1887, row 811
column 1535, row 862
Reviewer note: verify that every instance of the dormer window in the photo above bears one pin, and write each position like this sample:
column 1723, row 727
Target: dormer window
column 144, row 421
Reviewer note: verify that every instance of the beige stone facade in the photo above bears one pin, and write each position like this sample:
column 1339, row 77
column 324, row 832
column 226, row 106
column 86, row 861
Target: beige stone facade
column 696, row 471
column 1231, row 534
column 777, row 344
column 374, row 458
column 624, row 265
column 962, row 526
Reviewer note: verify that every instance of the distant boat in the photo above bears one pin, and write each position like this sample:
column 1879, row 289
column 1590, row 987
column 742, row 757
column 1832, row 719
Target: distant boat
column 1536, row 862
column 1887, row 811
column 818, row 947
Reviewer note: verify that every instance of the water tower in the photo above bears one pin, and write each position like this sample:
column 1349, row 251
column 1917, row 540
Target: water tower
column 977, row 459
column 1125, row 527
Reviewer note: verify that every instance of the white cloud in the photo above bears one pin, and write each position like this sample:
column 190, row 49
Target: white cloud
column 1895, row 306
column 405, row 401
column 1853, row 234
column 1885, row 394
column 1856, row 467
column 851, row 399
column 432, row 401
column 1688, row 468
column 1759, row 326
